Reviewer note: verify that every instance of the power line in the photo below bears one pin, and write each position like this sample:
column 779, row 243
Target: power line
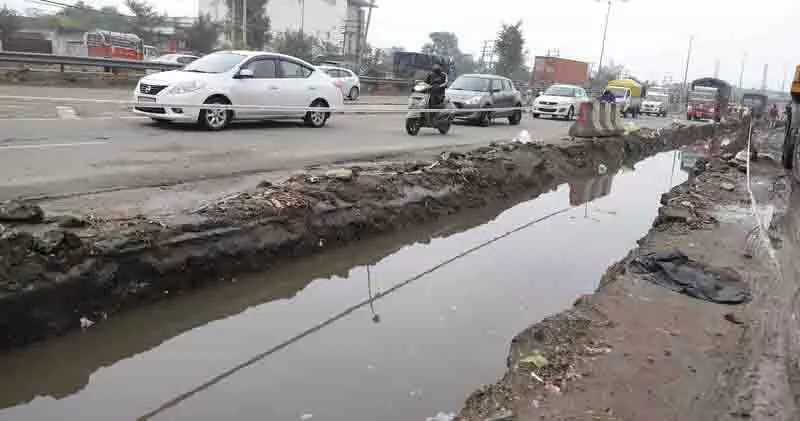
column 177, row 400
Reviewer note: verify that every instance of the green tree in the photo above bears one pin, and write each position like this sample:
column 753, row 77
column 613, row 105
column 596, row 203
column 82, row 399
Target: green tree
column 443, row 44
column 509, row 48
column 145, row 20
column 9, row 24
column 258, row 23
column 296, row 43
column 203, row 35
column 446, row 44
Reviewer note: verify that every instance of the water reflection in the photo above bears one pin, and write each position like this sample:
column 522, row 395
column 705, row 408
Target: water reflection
column 436, row 340
column 43, row 370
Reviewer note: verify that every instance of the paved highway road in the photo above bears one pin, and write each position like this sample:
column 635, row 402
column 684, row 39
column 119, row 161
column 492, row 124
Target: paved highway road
column 48, row 153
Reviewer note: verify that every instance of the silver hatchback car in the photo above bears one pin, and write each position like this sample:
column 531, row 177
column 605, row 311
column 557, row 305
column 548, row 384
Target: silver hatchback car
column 345, row 80
column 473, row 92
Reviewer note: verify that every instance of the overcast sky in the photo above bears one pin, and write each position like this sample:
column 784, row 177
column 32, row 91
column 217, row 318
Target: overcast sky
column 649, row 36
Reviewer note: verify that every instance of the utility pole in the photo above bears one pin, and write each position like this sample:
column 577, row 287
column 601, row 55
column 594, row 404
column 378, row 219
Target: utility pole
column 302, row 15
column 244, row 24
column 783, row 83
column 362, row 43
column 741, row 73
column 716, row 69
column 605, row 33
column 764, row 78
column 686, row 71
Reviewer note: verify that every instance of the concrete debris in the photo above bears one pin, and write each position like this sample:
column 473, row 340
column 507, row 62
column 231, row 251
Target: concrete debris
column 727, row 186
column 18, row 211
column 602, row 169
column 341, row 174
column 86, row 323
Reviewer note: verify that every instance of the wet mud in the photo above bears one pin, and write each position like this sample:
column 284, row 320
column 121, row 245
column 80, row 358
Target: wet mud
column 635, row 350
column 63, row 273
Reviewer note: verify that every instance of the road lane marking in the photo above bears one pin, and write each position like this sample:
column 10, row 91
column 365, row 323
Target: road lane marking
column 101, row 118
column 52, row 145
column 66, row 113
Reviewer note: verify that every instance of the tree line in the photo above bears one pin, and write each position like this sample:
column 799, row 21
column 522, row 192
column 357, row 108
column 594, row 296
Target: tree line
column 202, row 36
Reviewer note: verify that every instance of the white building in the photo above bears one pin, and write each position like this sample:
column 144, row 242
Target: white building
column 340, row 22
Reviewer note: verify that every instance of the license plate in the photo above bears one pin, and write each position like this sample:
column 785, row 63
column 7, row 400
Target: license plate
column 146, row 99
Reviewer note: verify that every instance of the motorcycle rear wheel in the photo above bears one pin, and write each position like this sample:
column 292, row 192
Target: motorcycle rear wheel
column 444, row 127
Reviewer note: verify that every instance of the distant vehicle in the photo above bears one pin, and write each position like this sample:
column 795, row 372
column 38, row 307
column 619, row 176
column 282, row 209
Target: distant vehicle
column 150, row 52
column 559, row 101
column 175, row 59
column 345, row 80
column 628, row 93
column 407, row 64
column 708, row 99
column 757, row 103
column 248, row 78
column 472, row 92
column 655, row 103
column 548, row 71
column 107, row 44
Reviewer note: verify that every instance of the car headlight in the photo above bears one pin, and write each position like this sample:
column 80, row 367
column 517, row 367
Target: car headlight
column 474, row 100
column 186, row 87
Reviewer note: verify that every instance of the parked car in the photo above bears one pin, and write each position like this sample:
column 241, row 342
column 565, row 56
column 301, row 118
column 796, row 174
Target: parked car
column 473, row 92
column 559, row 101
column 175, row 59
column 248, row 78
column 345, row 79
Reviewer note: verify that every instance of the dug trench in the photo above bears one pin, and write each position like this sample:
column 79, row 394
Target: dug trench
column 62, row 273
column 637, row 350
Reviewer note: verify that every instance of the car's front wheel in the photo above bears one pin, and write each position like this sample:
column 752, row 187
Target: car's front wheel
column 215, row 119
column 317, row 119
column 353, row 95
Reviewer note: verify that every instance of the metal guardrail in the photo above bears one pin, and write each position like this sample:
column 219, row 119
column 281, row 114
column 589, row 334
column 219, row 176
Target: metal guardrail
column 56, row 60
column 52, row 59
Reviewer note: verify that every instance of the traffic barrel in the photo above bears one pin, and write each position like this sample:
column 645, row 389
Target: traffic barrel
column 587, row 124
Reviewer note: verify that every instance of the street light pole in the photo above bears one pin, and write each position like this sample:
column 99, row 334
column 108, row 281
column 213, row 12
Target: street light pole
column 605, row 33
column 686, row 71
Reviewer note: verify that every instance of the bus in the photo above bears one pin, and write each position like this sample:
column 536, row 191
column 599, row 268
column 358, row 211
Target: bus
column 407, row 65
column 107, row 44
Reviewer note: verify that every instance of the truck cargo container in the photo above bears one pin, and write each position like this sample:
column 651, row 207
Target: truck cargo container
column 549, row 71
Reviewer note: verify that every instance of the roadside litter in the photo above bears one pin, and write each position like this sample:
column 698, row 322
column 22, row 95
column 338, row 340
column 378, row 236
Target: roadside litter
column 676, row 271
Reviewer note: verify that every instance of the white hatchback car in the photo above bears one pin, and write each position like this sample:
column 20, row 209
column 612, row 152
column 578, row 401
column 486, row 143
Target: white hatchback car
column 562, row 101
column 345, row 79
column 248, row 78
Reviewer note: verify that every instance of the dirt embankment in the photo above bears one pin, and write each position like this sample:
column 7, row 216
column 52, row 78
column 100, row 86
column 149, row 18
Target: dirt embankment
column 60, row 273
column 635, row 350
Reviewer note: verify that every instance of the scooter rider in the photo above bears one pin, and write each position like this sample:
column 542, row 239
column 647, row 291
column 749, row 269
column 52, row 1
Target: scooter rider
column 437, row 79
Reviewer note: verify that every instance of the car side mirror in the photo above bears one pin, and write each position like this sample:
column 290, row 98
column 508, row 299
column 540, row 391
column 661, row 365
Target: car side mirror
column 245, row 74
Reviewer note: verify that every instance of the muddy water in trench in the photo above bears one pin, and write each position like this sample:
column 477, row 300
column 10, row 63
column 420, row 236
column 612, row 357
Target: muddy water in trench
column 420, row 349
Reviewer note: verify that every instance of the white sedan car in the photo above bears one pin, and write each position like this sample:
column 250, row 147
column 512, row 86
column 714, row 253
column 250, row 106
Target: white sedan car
column 175, row 59
column 561, row 101
column 345, row 79
column 265, row 84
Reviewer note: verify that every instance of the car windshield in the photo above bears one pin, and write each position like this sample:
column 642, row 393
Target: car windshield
column 560, row 91
column 656, row 98
column 167, row 57
column 215, row 63
column 752, row 101
column 478, row 84
column 618, row 92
